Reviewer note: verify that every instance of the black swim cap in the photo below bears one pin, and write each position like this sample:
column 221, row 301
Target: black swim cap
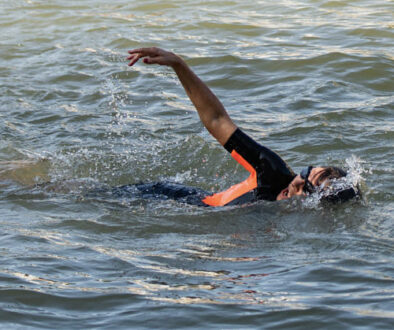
column 339, row 189
column 342, row 195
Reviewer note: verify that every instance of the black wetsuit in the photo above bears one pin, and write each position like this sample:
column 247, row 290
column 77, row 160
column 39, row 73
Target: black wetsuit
column 273, row 174
column 269, row 176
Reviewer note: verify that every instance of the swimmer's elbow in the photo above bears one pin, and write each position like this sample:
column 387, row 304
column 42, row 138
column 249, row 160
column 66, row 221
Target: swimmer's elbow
column 221, row 128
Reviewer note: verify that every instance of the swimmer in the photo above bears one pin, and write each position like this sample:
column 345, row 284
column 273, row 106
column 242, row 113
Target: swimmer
column 270, row 177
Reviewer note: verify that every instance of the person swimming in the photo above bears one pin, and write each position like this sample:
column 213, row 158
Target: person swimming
column 270, row 177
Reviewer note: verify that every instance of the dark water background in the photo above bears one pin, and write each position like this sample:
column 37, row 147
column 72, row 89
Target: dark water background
column 311, row 79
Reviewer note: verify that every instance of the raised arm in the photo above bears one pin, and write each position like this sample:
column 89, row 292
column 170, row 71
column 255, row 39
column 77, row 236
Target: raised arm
column 211, row 111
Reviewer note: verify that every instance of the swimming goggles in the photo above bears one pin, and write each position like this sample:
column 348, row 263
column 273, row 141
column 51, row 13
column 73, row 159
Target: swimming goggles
column 308, row 188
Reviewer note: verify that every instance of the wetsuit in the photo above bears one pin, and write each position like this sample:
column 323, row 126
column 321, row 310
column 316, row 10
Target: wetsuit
column 269, row 175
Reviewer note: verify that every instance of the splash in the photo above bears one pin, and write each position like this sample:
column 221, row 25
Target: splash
column 356, row 172
column 112, row 152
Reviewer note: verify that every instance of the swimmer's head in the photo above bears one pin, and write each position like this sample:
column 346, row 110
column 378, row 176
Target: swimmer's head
column 328, row 181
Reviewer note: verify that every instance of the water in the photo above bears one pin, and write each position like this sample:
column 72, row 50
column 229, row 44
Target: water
column 311, row 79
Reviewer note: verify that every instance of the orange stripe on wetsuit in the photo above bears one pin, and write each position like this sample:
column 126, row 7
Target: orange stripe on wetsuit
column 237, row 190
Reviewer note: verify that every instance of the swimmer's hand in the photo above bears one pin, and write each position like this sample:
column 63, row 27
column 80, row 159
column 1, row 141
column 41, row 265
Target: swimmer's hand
column 153, row 55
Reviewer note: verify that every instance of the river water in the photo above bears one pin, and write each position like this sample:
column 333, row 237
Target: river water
column 310, row 79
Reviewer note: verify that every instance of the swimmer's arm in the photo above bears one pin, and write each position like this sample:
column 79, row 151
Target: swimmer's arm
column 211, row 111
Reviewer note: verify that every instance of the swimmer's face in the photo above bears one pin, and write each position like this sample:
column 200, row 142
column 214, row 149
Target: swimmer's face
column 296, row 187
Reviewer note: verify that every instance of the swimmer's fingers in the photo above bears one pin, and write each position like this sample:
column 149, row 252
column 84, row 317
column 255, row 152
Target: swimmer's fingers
column 134, row 59
column 148, row 51
column 147, row 59
column 152, row 55
column 136, row 54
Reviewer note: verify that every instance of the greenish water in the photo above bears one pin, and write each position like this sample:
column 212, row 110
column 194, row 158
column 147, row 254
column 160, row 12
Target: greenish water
column 311, row 79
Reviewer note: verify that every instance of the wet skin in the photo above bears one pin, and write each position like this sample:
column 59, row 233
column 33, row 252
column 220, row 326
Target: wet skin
column 295, row 187
column 211, row 111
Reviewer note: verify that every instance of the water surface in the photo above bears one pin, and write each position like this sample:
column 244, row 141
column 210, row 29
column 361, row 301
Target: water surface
column 310, row 79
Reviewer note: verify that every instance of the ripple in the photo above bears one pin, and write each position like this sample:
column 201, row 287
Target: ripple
column 309, row 79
